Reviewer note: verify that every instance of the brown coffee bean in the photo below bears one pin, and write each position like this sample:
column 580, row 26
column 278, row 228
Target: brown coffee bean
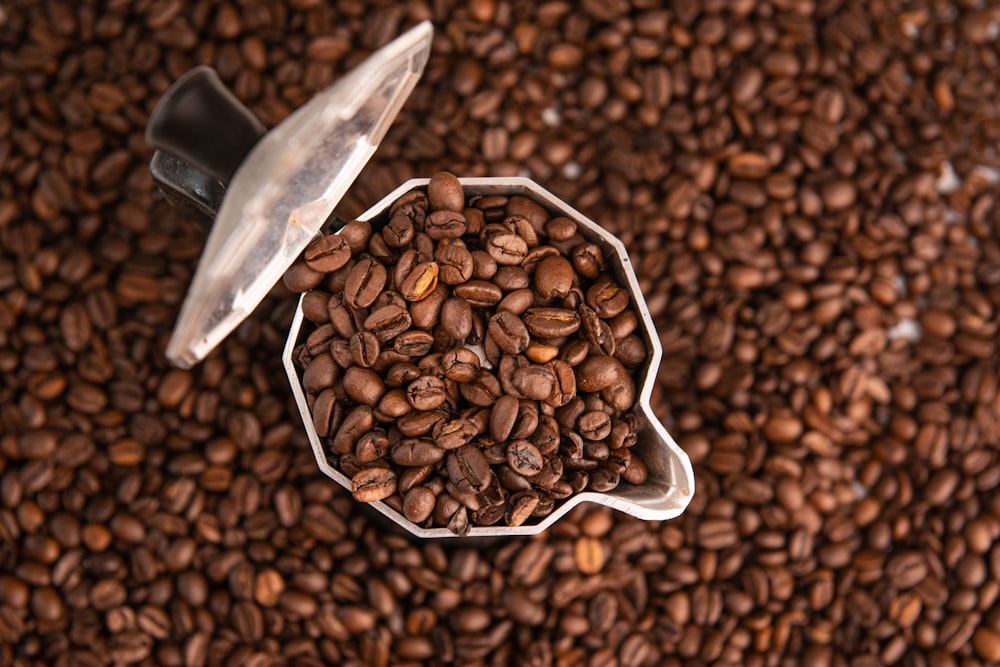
column 560, row 229
column 553, row 277
column 416, row 452
column 363, row 385
column 419, row 422
column 597, row 372
column 521, row 507
column 534, row 381
column 444, row 192
column 446, row 224
column 524, row 458
column 399, row 231
column 503, row 416
column 418, row 504
column 468, row 468
column 621, row 393
column 454, row 433
column 588, row 260
column 606, row 298
column 364, row 283
column 413, row 343
column 551, row 322
column 356, row 233
column 594, row 425
column 420, row 282
column 483, row 390
column 456, row 264
column 388, row 322
column 460, row 364
column 426, row 392
column 631, row 351
column 300, row 277
column 355, row 423
column 508, row 332
column 505, row 247
column 426, row 312
column 371, row 446
column 364, row 347
column 479, row 293
column 327, row 253
column 372, row 484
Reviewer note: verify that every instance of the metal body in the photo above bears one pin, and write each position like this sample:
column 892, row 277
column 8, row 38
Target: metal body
column 670, row 484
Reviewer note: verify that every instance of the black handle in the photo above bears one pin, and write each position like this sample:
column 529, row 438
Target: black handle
column 199, row 121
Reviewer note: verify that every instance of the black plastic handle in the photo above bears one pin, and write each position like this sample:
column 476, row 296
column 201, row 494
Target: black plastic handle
column 199, row 121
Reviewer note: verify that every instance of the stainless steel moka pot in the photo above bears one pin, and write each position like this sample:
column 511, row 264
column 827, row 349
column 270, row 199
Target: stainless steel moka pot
column 272, row 192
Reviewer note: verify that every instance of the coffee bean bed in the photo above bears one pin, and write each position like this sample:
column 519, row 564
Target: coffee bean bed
column 808, row 193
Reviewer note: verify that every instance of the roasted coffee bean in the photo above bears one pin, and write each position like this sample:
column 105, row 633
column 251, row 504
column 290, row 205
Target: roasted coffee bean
column 426, row 312
column 511, row 278
column 388, row 322
column 534, row 381
column 402, row 373
column 419, row 422
column 327, row 253
column 420, row 282
column 506, row 247
column 598, row 372
column 484, row 267
column 356, row 423
column 631, row 351
column 503, row 415
column 508, row 332
column 363, row 386
column 413, row 343
column 321, row 373
column 365, row 348
column 371, row 446
column 460, row 364
column 314, row 306
column 444, row 192
column 357, row 233
column 399, row 231
column 554, row 277
column 517, row 301
column 418, row 504
column 416, row 452
column 483, row 390
column 445, row 224
column 607, row 298
column 456, row 319
column 479, row 293
column 468, row 468
column 551, row 322
column 621, row 393
column 455, row 262
column 560, row 228
column 364, row 283
column 301, row 277
column 426, row 392
column 369, row 485
column 524, row 458
column 597, row 331
column 594, row 425
column 588, row 260
column 454, row 433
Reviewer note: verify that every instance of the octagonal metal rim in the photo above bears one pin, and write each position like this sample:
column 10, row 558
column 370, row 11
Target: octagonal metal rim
column 670, row 487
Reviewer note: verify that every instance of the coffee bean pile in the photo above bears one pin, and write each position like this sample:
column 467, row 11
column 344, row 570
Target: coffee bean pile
column 808, row 192
column 408, row 409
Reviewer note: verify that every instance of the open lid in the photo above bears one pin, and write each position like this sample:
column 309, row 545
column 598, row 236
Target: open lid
column 286, row 188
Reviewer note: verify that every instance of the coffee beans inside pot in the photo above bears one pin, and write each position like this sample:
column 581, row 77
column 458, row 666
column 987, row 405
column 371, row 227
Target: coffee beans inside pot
column 473, row 359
